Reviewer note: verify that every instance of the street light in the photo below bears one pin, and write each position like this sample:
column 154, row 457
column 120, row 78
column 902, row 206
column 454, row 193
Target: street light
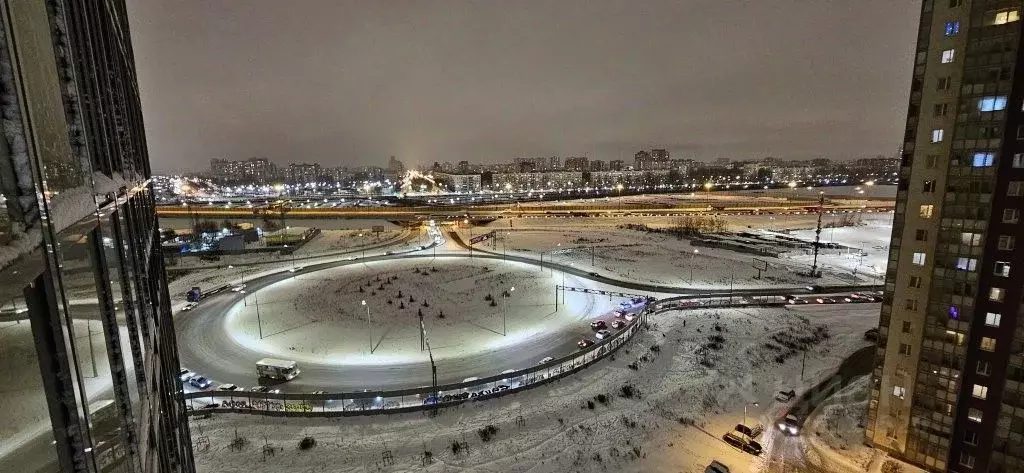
column 745, row 415
column 693, row 256
column 368, row 326
column 504, row 310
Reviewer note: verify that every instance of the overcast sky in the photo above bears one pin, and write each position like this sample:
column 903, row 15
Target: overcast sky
column 353, row 82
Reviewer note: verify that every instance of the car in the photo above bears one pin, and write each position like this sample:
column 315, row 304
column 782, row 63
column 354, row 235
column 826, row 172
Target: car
column 825, row 300
column 789, row 425
column 470, row 379
column 625, row 304
column 603, row 334
column 264, row 389
column 238, row 288
column 584, row 343
column 200, row 382
column 620, row 313
column 389, row 252
column 593, row 273
column 785, row 396
column 229, row 387
column 294, row 269
column 749, row 446
column 846, row 299
column 618, row 324
column 750, row 430
column 598, row 325
column 796, row 300
column 871, row 335
column 716, row 467
column 545, row 360
column 630, row 316
column 185, row 374
column 869, row 297
column 189, row 306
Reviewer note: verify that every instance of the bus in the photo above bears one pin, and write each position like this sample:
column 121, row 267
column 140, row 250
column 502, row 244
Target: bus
column 277, row 369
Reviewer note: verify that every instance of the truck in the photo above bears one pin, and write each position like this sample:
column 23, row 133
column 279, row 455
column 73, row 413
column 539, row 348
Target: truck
column 274, row 368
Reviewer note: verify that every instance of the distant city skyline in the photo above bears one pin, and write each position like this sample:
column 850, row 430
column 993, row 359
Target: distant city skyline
column 453, row 81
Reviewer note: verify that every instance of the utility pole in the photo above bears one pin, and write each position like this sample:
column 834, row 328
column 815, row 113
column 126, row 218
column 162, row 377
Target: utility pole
column 369, row 327
column 423, row 334
column 591, row 255
column 259, row 323
column 817, row 235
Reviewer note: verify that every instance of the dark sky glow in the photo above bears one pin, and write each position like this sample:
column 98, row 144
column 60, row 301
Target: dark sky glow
column 352, row 82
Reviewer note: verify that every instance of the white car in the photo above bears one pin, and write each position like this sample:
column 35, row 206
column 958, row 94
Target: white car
column 790, row 425
column 189, row 306
column 186, row 374
column 603, row 333
column 545, row 360
column 238, row 288
column 294, row 269
column 229, row 387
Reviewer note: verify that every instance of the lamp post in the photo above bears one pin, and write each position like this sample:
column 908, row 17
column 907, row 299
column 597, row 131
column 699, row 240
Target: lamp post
column 504, row 310
column 369, row 327
column 745, row 415
column 693, row 257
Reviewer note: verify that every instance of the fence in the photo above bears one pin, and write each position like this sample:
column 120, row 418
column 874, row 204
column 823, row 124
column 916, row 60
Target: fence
column 389, row 402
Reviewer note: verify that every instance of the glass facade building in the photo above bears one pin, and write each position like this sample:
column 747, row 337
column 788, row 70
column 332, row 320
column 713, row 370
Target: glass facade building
column 946, row 392
column 88, row 359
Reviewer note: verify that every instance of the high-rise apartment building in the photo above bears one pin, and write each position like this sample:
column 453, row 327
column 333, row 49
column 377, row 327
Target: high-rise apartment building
column 947, row 383
column 88, row 356
column 249, row 171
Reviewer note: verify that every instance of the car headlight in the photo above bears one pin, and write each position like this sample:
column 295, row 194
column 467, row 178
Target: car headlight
column 792, row 430
column 781, row 426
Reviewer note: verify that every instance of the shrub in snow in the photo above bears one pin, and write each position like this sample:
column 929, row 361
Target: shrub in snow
column 401, row 305
column 456, row 447
column 590, row 404
column 389, row 301
column 487, row 433
column 628, row 391
column 601, row 398
column 489, row 298
column 425, row 304
column 307, row 443
column 891, row 467
column 493, row 303
column 440, row 314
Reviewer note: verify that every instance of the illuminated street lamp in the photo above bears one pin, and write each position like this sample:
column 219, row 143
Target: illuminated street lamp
column 504, row 310
column 368, row 326
column 693, row 256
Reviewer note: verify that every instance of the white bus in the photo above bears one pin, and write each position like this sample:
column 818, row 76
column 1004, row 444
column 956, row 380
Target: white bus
column 277, row 369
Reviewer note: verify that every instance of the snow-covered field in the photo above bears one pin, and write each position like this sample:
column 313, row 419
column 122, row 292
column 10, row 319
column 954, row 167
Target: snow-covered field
column 665, row 259
column 319, row 317
column 667, row 414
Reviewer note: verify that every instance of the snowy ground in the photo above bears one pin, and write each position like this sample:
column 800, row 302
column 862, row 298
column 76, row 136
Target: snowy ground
column 668, row 414
column 319, row 318
column 665, row 259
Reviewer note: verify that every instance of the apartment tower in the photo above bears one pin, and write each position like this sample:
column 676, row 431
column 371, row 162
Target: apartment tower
column 88, row 358
column 946, row 392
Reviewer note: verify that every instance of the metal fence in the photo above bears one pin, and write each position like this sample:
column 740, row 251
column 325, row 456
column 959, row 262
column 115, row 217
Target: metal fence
column 388, row 402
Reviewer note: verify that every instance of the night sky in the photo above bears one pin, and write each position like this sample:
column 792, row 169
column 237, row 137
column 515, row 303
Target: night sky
column 353, row 82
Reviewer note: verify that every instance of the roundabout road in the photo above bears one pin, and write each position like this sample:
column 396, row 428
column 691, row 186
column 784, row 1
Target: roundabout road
column 205, row 347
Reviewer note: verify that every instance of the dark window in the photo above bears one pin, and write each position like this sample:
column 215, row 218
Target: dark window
column 944, row 83
column 921, row 235
column 929, row 186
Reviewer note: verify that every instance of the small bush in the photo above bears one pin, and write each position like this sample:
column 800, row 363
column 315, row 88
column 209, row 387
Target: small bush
column 655, row 348
column 493, row 303
column 307, row 443
column 633, row 366
column 590, row 404
column 456, row 447
column 401, row 305
column 891, row 467
column 487, row 433
column 488, row 297
column 628, row 391
column 601, row 398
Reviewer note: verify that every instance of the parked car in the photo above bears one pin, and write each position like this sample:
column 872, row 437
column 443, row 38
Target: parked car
column 189, row 306
column 750, row 430
column 238, row 288
column 785, row 396
column 598, row 325
column 749, row 446
column 617, row 324
column 200, row 382
column 795, row 300
column 620, row 313
column 264, row 389
column 603, row 334
column 186, row 374
column 716, row 467
column 584, row 343
column 790, row 425
column 545, row 360
column 825, row 300
column 229, row 387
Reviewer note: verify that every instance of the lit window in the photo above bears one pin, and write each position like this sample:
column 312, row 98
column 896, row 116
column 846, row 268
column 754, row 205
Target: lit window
column 983, row 160
column 966, row 264
column 947, row 56
column 979, row 391
column 926, row 211
column 904, row 349
column 955, row 337
column 1011, row 215
column 937, row 135
column 1018, row 160
column 952, row 28
column 919, row 259
column 988, row 344
column 992, row 103
column 1001, row 268
column 1015, row 188
column 984, row 368
column 996, row 294
column 970, row 239
column 992, row 319
column 1002, row 17
column 899, row 391
column 974, row 414
column 1006, row 242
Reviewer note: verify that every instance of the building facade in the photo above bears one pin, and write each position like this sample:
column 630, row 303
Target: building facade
column 250, row 171
column 462, row 183
column 946, row 386
column 87, row 346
